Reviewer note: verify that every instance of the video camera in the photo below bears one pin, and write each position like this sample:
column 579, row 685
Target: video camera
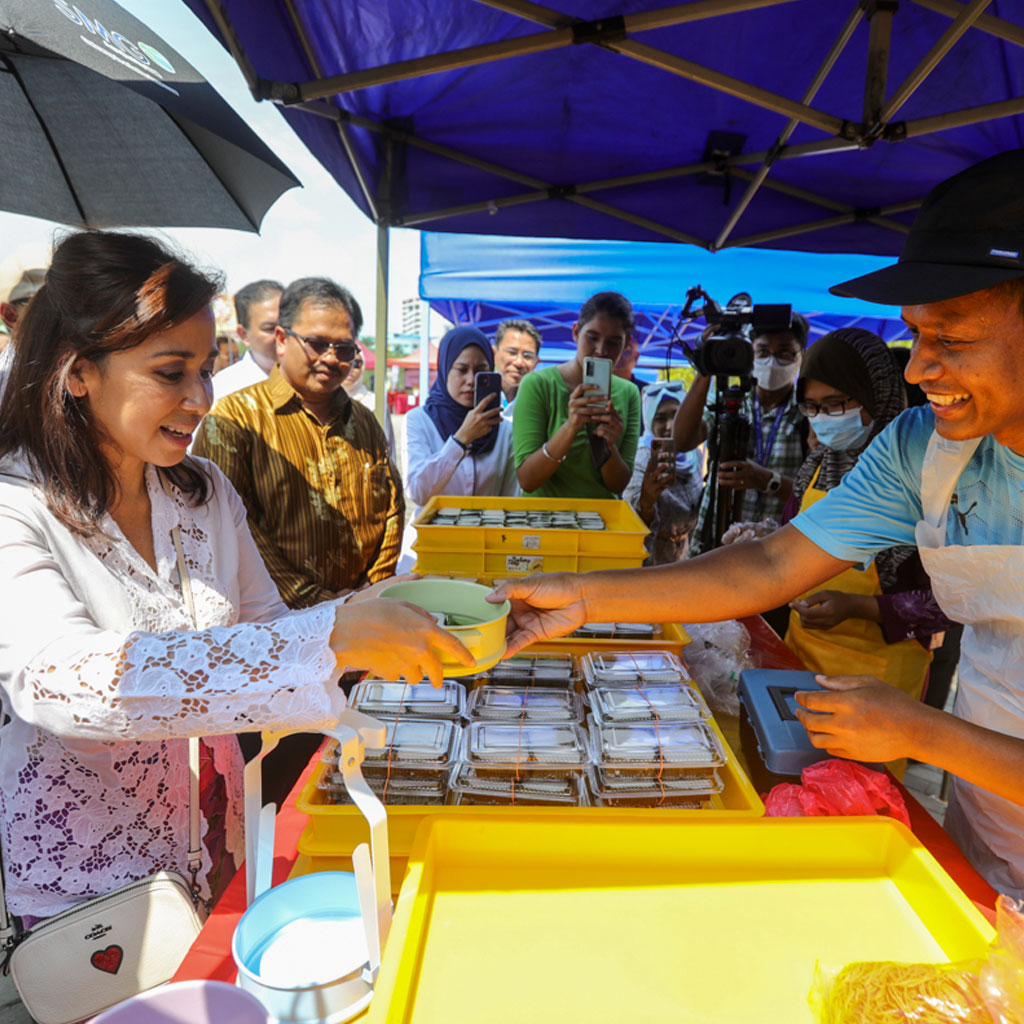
column 727, row 351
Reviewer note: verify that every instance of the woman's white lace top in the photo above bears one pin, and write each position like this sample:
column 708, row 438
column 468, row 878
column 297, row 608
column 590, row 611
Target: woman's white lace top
column 104, row 678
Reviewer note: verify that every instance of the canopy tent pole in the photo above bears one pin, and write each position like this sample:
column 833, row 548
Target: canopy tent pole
column 943, row 45
column 876, row 76
column 424, row 353
column 989, row 23
column 380, row 377
column 762, row 172
column 346, row 142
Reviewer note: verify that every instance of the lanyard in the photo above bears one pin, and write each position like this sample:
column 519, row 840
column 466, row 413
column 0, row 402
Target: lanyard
column 763, row 452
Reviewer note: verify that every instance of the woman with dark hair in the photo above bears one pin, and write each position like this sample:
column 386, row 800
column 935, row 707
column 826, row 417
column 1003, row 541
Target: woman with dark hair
column 104, row 670
column 457, row 445
column 879, row 620
column 567, row 445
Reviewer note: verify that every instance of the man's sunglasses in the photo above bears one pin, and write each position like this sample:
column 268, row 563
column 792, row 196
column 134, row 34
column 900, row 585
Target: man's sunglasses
column 344, row 351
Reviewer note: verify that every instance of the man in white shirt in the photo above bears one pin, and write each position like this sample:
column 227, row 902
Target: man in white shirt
column 516, row 353
column 256, row 309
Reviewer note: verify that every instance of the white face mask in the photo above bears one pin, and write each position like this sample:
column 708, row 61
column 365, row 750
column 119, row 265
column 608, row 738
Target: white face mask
column 773, row 375
column 841, row 433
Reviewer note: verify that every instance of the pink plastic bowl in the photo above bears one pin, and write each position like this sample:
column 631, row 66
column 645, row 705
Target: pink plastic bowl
column 188, row 1002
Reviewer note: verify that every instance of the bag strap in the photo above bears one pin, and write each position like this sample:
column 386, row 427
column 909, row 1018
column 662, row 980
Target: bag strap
column 8, row 929
column 195, row 851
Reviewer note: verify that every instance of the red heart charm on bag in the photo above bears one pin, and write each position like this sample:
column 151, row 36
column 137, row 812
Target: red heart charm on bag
column 108, row 960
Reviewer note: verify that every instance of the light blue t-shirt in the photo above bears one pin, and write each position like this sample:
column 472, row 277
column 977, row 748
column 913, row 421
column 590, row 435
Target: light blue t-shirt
column 879, row 501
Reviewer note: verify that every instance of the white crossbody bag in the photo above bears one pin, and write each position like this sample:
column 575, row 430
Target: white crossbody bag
column 77, row 963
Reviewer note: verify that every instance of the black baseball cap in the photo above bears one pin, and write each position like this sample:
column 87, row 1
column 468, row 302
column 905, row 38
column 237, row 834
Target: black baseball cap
column 968, row 235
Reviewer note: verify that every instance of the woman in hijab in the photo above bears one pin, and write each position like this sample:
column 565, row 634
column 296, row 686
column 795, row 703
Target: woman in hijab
column 665, row 487
column 455, row 446
column 880, row 620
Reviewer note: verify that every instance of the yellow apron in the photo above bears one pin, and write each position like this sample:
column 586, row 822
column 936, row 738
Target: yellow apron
column 856, row 646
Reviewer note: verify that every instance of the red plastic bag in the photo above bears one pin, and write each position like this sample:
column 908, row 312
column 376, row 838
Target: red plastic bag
column 834, row 788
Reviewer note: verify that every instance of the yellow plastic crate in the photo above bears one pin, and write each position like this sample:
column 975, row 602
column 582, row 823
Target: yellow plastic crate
column 613, row 920
column 673, row 639
column 498, row 551
column 334, row 831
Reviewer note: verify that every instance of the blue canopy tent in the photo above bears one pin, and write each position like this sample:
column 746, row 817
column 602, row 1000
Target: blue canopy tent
column 816, row 125
column 484, row 279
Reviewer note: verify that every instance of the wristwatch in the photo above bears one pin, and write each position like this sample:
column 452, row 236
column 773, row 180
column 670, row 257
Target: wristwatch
column 775, row 484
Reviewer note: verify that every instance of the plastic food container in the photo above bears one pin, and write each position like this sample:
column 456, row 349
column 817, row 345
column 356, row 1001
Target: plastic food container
column 421, row 700
column 658, row 749
column 658, row 702
column 410, row 746
column 536, row 670
column 470, row 789
column 617, row 631
column 680, row 792
column 523, row 703
column 632, row 668
column 498, row 748
column 398, row 787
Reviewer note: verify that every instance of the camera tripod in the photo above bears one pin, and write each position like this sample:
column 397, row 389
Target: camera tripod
column 727, row 442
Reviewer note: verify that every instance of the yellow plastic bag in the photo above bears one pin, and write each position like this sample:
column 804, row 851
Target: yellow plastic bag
column 989, row 990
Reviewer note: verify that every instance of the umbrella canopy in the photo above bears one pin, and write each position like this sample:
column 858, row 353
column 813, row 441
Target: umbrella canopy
column 102, row 123
column 817, row 125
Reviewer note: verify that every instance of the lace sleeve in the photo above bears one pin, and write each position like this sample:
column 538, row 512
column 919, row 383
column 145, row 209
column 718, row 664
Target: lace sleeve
column 65, row 674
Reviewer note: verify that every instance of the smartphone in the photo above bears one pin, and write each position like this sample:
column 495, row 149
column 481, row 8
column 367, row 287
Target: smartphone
column 598, row 372
column 484, row 384
column 668, row 446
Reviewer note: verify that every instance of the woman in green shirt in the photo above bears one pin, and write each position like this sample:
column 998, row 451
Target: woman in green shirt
column 567, row 445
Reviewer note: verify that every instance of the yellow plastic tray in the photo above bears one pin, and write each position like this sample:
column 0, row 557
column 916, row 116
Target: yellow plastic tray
column 334, row 831
column 673, row 639
column 500, row 551
column 581, row 919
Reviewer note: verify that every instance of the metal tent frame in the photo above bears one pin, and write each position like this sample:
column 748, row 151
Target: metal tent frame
column 337, row 98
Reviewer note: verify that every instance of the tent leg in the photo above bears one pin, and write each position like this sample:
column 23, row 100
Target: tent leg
column 380, row 377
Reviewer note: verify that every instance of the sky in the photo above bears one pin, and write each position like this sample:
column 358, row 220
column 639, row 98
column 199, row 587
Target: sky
column 316, row 229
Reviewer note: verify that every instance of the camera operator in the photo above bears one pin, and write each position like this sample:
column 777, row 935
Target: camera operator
column 778, row 430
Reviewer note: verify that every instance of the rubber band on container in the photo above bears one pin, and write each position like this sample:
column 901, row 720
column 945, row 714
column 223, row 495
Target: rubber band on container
column 657, row 729
column 391, row 745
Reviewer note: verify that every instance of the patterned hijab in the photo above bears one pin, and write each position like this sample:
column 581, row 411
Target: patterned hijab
column 859, row 364
column 447, row 414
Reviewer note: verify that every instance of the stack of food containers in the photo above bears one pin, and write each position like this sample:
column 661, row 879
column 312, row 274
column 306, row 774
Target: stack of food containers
column 528, row 740
column 422, row 737
column 650, row 744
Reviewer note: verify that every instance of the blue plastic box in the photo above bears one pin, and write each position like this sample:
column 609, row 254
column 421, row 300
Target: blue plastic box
column 767, row 697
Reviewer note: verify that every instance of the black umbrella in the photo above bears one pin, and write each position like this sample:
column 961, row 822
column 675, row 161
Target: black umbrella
column 103, row 123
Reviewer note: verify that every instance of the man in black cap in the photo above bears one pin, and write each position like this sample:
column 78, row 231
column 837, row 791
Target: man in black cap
column 947, row 476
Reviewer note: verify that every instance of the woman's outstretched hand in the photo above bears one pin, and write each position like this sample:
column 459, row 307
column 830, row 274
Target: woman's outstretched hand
column 544, row 606
column 393, row 640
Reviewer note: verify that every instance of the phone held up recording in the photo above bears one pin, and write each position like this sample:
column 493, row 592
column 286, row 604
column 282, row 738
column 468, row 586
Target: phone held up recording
column 597, row 372
column 664, row 449
column 487, row 383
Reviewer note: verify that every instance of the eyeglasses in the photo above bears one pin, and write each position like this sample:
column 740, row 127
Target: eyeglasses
column 344, row 351
column 834, row 408
column 514, row 353
column 784, row 358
